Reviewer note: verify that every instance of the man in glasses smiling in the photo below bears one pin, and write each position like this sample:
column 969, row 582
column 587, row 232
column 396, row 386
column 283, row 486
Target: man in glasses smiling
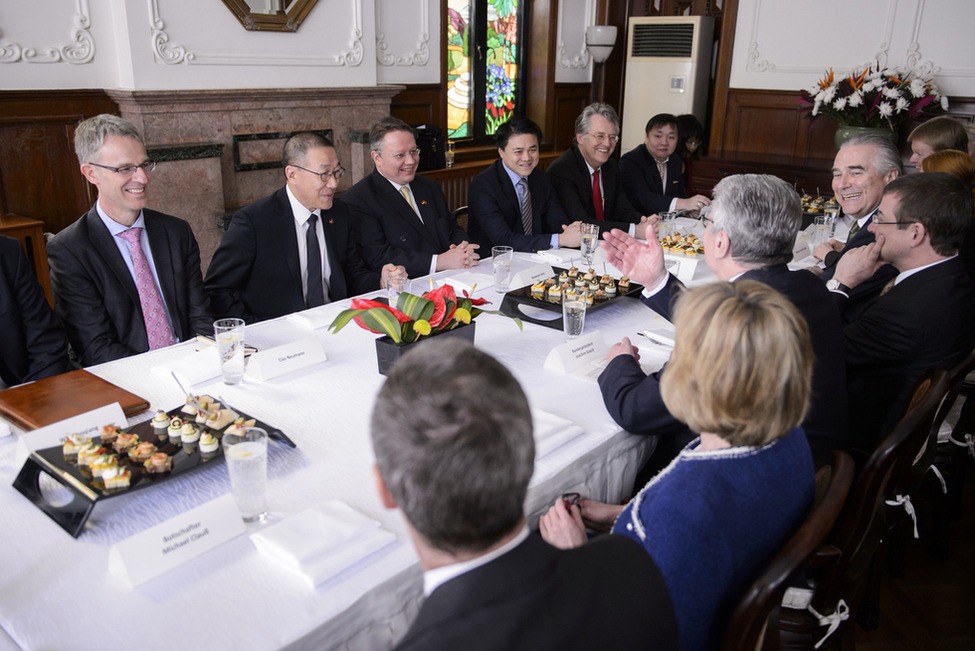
column 295, row 249
column 126, row 279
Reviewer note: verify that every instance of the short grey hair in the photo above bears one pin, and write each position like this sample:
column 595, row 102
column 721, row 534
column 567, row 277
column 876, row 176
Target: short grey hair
column 384, row 126
column 761, row 215
column 596, row 108
column 90, row 134
column 886, row 158
column 452, row 434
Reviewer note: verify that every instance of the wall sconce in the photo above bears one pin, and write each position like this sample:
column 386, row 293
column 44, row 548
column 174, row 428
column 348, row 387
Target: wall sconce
column 600, row 40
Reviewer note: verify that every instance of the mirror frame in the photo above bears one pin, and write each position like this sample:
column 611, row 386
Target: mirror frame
column 290, row 22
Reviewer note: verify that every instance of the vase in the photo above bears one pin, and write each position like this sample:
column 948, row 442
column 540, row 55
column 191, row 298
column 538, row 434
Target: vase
column 388, row 351
column 844, row 132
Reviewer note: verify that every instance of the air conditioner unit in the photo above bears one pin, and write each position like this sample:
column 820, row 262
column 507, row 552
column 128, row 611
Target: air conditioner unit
column 668, row 65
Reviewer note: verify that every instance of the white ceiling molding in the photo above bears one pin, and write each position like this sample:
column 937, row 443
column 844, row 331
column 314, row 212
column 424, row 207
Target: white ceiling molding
column 81, row 50
column 582, row 59
column 756, row 62
column 169, row 54
column 418, row 58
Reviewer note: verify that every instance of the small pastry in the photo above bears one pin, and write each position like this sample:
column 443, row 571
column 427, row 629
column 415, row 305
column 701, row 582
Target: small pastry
column 550, row 282
column 610, row 289
column 624, row 283
column 208, row 408
column 240, row 423
column 593, row 286
column 573, row 272
column 86, row 454
column 109, row 434
column 571, row 294
column 101, row 463
column 189, row 433
column 73, row 444
column 555, row 294
column 589, row 276
column 538, row 290
column 160, row 422
column 125, row 442
column 142, row 452
column 209, row 443
column 600, row 295
column 563, row 277
column 189, row 409
column 117, row 478
column 221, row 419
column 589, row 299
column 606, row 279
column 159, row 462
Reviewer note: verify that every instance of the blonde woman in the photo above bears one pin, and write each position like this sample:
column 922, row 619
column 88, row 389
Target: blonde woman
column 739, row 375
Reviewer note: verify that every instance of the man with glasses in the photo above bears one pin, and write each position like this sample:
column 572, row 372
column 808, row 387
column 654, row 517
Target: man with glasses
column 925, row 317
column 295, row 249
column 587, row 177
column 126, row 279
column 653, row 176
column 749, row 234
column 402, row 217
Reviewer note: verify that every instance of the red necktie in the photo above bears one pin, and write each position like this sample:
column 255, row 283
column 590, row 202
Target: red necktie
column 597, row 196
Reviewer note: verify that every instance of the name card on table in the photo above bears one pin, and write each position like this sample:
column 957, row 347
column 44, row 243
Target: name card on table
column 583, row 357
column 87, row 424
column 167, row 545
column 531, row 275
column 681, row 266
column 275, row 362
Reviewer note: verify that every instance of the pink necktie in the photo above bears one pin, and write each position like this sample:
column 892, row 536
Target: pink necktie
column 153, row 311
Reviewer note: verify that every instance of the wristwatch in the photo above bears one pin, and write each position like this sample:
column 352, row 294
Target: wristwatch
column 834, row 285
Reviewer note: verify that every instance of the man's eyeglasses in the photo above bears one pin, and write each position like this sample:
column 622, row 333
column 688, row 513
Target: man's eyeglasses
column 336, row 174
column 877, row 223
column 415, row 153
column 599, row 137
column 706, row 220
column 129, row 170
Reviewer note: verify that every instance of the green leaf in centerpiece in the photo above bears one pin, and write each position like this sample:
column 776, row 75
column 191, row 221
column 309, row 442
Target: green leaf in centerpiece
column 384, row 321
column 343, row 319
column 415, row 307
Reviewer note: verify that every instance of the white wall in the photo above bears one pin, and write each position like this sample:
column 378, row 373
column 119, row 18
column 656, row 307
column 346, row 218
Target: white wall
column 789, row 44
column 572, row 63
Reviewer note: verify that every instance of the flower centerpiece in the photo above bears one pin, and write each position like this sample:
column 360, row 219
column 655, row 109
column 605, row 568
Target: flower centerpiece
column 414, row 318
column 876, row 98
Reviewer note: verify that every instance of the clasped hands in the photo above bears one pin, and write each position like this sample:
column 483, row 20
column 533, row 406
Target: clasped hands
column 458, row 256
column 390, row 271
column 564, row 526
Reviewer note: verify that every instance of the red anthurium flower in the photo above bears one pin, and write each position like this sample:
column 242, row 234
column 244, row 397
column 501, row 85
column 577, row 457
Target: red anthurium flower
column 365, row 304
column 439, row 312
column 476, row 301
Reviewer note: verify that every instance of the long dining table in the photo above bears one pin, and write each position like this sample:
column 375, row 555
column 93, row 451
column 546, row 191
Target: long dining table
column 56, row 592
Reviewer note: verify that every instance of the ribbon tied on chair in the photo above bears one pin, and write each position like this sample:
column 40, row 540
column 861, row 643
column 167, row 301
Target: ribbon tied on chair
column 841, row 614
column 905, row 501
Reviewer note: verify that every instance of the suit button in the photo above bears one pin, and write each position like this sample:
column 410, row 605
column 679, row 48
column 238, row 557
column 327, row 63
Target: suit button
column 402, row 238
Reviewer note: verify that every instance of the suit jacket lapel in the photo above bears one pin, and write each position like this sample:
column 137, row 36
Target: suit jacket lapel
column 289, row 238
column 398, row 207
column 424, row 204
column 103, row 242
column 336, row 278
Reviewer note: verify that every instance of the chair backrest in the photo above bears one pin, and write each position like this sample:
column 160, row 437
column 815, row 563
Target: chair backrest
column 925, row 455
column 461, row 215
column 747, row 627
column 864, row 523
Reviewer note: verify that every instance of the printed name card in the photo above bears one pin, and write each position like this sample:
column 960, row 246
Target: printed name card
column 167, row 545
column 275, row 362
column 87, row 424
column 530, row 276
column 583, row 357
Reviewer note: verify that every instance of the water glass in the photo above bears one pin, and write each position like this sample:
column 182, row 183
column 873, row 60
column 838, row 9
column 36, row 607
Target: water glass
column 573, row 317
column 590, row 240
column 229, row 334
column 667, row 224
column 246, row 454
column 822, row 230
column 395, row 287
column 501, row 256
column 449, row 154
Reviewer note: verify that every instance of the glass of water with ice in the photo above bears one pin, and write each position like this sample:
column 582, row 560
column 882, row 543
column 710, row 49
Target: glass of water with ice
column 590, row 240
column 573, row 317
column 229, row 334
column 501, row 257
column 246, row 454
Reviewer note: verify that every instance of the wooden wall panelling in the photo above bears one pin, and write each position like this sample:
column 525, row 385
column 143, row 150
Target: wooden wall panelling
column 722, row 75
column 421, row 104
column 39, row 174
column 540, row 78
column 570, row 99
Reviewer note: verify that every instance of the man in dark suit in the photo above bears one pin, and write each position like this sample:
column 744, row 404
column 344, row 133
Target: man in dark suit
column 926, row 318
column 294, row 249
column 749, row 234
column 457, row 461
column 126, row 279
column 401, row 217
column 33, row 345
column 861, row 169
column 587, row 177
column 653, row 176
column 512, row 202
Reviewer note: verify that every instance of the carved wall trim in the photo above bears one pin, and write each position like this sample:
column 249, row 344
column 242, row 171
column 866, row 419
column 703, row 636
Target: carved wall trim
column 81, row 49
column 170, row 54
column 582, row 59
column 418, row 58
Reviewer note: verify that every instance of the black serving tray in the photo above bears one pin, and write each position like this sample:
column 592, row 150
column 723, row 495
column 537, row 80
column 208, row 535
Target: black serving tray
column 513, row 300
column 88, row 491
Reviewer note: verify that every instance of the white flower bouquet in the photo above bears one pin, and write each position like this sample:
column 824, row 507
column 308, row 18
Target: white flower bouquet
column 875, row 98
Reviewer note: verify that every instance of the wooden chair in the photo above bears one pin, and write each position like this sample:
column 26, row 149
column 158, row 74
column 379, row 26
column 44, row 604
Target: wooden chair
column 749, row 627
column 461, row 215
column 841, row 569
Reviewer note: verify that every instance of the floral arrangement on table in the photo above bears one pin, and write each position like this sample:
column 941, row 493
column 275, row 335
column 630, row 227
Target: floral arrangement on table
column 875, row 97
column 414, row 317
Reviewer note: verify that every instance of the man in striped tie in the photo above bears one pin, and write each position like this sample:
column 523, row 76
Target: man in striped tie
column 126, row 279
column 512, row 202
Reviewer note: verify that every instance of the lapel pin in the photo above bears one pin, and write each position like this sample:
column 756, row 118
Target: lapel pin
column 423, row 203
column 331, row 221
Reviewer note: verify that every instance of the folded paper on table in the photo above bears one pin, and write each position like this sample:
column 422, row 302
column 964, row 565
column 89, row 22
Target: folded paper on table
column 681, row 266
column 583, row 357
column 195, row 368
column 321, row 542
column 280, row 360
column 466, row 281
column 551, row 432
column 315, row 319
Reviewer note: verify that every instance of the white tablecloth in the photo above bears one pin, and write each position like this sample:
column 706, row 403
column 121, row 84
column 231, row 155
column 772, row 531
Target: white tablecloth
column 56, row 592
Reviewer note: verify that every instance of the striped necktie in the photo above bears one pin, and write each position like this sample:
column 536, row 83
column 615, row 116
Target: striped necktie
column 526, row 206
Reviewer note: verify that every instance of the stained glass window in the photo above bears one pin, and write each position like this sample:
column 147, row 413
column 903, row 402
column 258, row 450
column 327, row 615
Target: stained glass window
column 483, row 65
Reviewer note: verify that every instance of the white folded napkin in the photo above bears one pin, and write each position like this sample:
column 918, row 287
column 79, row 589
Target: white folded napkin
column 466, row 280
column 315, row 319
column 319, row 543
column 551, row 432
column 195, row 368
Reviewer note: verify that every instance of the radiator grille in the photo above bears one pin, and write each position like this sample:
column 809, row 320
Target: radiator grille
column 670, row 40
